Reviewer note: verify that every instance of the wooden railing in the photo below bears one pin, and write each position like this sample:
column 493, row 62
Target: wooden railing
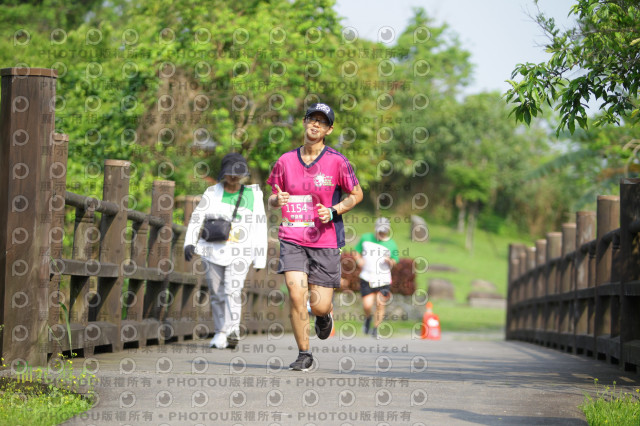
column 579, row 290
column 126, row 283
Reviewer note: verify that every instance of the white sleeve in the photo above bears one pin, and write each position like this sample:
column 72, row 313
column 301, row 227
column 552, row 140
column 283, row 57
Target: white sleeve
column 259, row 244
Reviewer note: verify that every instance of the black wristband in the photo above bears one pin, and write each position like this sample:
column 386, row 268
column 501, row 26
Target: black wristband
column 334, row 213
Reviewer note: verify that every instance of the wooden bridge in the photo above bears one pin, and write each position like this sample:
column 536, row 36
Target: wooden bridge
column 126, row 283
column 579, row 290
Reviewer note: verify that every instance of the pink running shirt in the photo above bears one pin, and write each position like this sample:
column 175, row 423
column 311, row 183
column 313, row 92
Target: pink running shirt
column 322, row 181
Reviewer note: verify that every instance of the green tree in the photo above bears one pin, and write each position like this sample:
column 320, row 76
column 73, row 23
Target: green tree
column 485, row 154
column 595, row 60
column 172, row 86
column 594, row 161
column 430, row 69
column 45, row 15
column 149, row 81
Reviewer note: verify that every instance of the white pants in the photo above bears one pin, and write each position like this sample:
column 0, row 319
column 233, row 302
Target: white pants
column 225, row 293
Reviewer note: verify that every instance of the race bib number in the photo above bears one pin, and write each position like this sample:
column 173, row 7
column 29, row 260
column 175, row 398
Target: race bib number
column 298, row 212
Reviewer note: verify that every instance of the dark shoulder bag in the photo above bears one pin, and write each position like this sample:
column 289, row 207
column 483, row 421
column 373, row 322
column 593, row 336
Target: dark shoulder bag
column 215, row 230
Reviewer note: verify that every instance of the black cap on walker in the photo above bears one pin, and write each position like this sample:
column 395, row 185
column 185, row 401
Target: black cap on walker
column 323, row 108
column 233, row 164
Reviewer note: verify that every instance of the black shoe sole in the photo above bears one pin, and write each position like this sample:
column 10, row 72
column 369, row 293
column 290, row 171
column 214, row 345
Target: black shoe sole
column 299, row 369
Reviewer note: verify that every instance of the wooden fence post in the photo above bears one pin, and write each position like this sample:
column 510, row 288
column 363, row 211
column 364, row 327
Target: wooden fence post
column 565, row 287
column 27, row 116
column 80, row 299
column 630, row 273
column 529, row 294
column 565, row 283
column 541, row 259
column 160, row 239
column 58, row 172
column 134, row 298
column 585, row 295
column 112, row 250
column 607, row 217
column 531, row 265
column 540, row 288
column 180, row 292
column 513, row 275
column 554, row 250
column 191, row 293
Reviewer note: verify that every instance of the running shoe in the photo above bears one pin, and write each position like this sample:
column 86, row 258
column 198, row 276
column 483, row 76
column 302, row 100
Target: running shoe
column 366, row 327
column 232, row 339
column 219, row 341
column 303, row 363
column 324, row 325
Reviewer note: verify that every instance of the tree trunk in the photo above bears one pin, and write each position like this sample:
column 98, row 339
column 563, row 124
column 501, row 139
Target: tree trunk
column 462, row 212
column 471, row 226
column 373, row 195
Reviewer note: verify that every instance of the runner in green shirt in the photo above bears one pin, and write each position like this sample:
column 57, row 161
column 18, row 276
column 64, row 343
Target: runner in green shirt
column 376, row 254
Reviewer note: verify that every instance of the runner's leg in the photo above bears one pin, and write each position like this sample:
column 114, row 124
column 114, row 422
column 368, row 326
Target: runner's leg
column 320, row 299
column 381, row 301
column 367, row 303
column 214, row 276
column 298, row 293
column 233, row 284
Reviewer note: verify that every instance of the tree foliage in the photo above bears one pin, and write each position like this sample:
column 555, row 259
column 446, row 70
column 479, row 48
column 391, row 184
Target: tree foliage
column 173, row 86
column 595, row 60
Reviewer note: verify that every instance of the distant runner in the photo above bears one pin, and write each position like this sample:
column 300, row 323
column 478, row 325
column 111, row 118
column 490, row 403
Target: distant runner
column 377, row 254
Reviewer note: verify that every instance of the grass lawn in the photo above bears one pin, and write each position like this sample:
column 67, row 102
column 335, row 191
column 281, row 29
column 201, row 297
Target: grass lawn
column 453, row 317
column 487, row 261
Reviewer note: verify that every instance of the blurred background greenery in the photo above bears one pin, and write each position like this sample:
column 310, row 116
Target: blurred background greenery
column 173, row 86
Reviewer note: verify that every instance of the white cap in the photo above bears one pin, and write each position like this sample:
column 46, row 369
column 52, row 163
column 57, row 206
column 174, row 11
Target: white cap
column 383, row 225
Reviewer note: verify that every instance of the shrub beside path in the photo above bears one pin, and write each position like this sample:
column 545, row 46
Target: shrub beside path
column 359, row 380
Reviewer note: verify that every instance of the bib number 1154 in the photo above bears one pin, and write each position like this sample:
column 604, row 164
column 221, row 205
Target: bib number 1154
column 299, row 211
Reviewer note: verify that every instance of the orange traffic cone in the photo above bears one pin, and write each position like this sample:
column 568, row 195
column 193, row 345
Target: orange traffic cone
column 430, row 324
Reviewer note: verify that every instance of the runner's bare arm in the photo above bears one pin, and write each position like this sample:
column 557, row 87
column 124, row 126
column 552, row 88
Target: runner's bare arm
column 354, row 197
column 278, row 200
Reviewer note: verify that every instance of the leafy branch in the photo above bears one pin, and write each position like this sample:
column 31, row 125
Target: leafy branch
column 602, row 51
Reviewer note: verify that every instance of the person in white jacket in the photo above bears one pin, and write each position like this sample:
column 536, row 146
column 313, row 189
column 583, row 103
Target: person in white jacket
column 228, row 262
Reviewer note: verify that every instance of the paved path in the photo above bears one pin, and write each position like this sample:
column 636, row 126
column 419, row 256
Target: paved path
column 357, row 381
